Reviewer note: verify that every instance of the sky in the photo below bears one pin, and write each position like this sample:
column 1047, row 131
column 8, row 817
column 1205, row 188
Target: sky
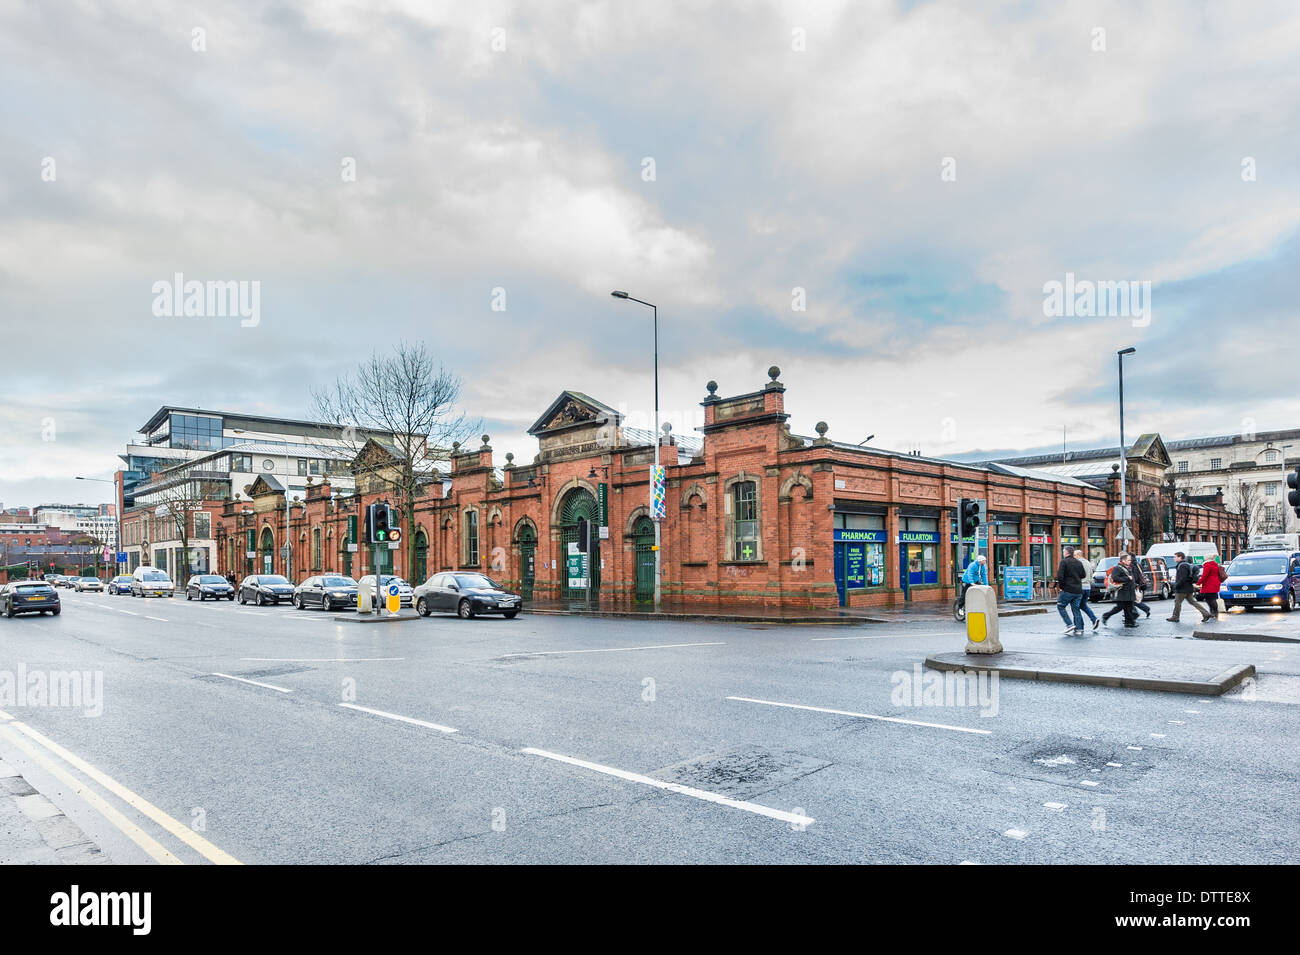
column 873, row 196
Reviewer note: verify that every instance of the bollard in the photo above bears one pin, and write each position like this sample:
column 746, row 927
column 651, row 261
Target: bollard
column 982, row 620
column 364, row 600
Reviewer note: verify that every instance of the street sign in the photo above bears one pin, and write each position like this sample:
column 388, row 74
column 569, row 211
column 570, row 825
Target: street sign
column 576, row 567
column 602, row 503
column 121, row 557
column 1123, row 512
column 250, row 554
column 284, row 551
column 1018, row 583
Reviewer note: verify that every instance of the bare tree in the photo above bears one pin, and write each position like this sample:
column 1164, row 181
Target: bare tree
column 175, row 495
column 1247, row 500
column 412, row 402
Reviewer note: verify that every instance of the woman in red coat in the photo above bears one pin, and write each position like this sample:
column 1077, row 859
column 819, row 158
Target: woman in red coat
column 1212, row 578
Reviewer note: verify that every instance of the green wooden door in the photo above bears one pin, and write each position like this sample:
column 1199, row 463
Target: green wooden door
column 644, row 535
column 527, row 561
column 578, row 503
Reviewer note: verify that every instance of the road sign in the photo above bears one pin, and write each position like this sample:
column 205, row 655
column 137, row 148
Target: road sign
column 121, row 557
column 1123, row 512
column 1018, row 583
column 394, row 590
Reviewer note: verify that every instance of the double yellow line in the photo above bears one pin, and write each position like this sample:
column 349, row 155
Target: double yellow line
column 40, row 747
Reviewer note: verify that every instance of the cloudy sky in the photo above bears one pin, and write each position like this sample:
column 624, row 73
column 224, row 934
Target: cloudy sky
column 915, row 173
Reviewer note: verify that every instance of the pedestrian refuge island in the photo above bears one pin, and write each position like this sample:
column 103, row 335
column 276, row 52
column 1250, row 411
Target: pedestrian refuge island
column 982, row 620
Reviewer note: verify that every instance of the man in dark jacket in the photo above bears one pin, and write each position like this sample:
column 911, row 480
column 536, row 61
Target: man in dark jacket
column 1069, row 578
column 1121, row 576
column 1185, row 589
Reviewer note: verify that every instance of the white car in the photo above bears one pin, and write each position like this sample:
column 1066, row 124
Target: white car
column 89, row 583
column 404, row 591
column 151, row 582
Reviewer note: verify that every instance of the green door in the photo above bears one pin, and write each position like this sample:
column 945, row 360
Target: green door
column 527, row 561
column 578, row 503
column 644, row 535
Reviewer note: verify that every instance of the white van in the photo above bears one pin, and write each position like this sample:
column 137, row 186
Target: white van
column 1287, row 542
column 151, row 582
column 1198, row 552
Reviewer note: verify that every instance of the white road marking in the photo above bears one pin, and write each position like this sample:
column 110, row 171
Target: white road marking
column 131, row 612
column 755, row 808
column 1178, row 722
column 1056, row 806
column 871, row 636
column 1157, row 735
column 662, row 646
column 862, row 716
column 268, row 686
column 1191, row 711
column 1015, row 833
column 401, row 719
column 1135, row 747
column 1087, row 782
column 159, row 619
column 320, row 659
column 1115, row 765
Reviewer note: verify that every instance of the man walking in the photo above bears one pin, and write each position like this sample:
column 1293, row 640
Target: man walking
column 1069, row 578
column 1088, row 570
column 1184, row 589
column 1121, row 576
column 1143, row 585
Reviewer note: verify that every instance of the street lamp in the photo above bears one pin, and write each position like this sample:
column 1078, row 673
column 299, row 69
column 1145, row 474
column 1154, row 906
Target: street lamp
column 117, row 516
column 654, row 516
column 1123, row 456
column 288, row 547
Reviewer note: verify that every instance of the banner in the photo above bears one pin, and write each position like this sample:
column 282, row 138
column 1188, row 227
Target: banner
column 658, row 507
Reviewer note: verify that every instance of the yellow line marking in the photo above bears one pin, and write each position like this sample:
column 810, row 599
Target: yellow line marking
column 184, row 833
column 127, row 827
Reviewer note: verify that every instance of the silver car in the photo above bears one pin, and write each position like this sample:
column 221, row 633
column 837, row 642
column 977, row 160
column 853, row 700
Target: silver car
column 404, row 591
column 89, row 583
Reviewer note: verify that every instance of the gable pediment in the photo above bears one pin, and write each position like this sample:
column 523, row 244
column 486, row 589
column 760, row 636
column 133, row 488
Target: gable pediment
column 1151, row 449
column 571, row 409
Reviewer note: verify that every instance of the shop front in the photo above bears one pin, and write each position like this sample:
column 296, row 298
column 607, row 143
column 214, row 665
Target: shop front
column 963, row 551
column 859, row 553
column 918, row 553
column 1096, row 546
column 1070, row 538
column 1041, row 552
column 1008, row 550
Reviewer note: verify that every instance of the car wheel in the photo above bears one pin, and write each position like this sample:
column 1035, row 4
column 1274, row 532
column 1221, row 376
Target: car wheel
column 241, row 598
column 54, row 613
column 297, row 602
column 1289, row 604
column 464, row 611
column 510, row 614
column 190, row 596
column 422, row 607
column 260, row 600
column 9, row 611
column 231, row 597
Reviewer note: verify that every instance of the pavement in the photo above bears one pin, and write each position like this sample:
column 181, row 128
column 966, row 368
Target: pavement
column 739, row 612
column 34, row 831
column 213, row 733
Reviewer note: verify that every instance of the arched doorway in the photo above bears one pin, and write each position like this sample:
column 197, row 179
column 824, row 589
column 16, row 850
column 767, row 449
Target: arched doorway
column 579, row 504
column 421, row 558
column 643, row 536
column 527, row 560
column 267, row 552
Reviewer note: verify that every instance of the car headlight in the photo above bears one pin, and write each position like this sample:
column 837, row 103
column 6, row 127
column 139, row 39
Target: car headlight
column 1271, row 587
column 337, row 593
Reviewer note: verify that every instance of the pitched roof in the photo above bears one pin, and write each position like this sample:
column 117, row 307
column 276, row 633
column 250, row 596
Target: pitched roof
column 601, row 412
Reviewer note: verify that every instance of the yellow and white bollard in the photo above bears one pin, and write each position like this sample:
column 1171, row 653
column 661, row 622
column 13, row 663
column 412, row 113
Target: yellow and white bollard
column 982, row 620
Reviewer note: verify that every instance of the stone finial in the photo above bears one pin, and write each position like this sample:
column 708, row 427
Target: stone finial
column 510, row 459
column 712, row 387
column 822, row 428
column 667, row 427
column 774, row 373
column 455, row 447
column 485, row 438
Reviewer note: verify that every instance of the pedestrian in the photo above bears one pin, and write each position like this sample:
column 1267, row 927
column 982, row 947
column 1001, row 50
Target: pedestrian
column 1143, row 585
column 1185, row 589
column 1069, row 579
column 1126, row 591
column 976, row 573
column 1212, row 578
column 1088, row 570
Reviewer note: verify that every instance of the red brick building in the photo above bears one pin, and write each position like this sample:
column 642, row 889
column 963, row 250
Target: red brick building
column 755, row 514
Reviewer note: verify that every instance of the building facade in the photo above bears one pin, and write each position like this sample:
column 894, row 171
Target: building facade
column 754, row 514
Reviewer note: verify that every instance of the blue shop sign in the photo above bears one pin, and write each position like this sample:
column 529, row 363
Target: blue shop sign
column 874, row 537
column 918, row 537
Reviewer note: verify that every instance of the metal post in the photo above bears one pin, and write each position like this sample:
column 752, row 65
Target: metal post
column 1123, row 457
column 657, row 522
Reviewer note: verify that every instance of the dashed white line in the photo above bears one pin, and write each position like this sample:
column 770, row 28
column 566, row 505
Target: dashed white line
column 400, row 719
column 1056, row 806
column 1115, row 765
column 1015, row 833
column 1135, row 747
column 861, row 716
column 1178, row 722
column 131, row 612
column 873, row 636
column 1087, row 782
column 269, row 686
column 755, row 808
column 159, row 619
column 1157, row 735
column 321, row 659
column 661, row 646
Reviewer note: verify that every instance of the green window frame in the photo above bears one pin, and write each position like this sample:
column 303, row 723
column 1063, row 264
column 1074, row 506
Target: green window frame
column 744, row 499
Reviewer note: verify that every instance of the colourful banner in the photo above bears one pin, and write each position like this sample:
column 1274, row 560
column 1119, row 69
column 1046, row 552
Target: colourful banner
column 658, row 505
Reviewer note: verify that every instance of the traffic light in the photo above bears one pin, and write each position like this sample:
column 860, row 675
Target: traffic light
column 971, row 513
column 381, row 523
column 1293, row 498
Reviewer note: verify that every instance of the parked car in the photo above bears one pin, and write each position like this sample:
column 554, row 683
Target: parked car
column 28, row 596
column 121, row 584
column 263, row 589
column 50, row 578
column 151, row 582
column 404, row 590
column 62, row 580
column 1160, row 582
column 88, row 583
column 204, row 586
column 328, row 592
column 466, row 595
column 1101, row 589
column 1262, row 579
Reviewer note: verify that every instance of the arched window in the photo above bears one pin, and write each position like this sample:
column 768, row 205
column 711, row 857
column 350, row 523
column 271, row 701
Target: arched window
column 421, row 558
column 744, row 517
column 1271, row 457
column 471, row 538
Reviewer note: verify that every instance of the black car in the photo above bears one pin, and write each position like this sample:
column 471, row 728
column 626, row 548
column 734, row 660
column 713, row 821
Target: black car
column 466, row 595
column 329, row 592
column 264, row 589
column 28, row 596
column 204, row 586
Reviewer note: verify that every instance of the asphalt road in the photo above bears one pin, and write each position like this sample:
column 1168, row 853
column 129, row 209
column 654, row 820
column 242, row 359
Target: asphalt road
column 562, row 739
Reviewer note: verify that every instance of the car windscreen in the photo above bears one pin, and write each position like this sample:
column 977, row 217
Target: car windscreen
column 271, row 579
column 91, row 579
column 339, row 582
column 1257, row 566
column 155, row 576
column 475, row 581
column 211, row 579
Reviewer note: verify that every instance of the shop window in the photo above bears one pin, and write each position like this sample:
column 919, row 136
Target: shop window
column 745, row 520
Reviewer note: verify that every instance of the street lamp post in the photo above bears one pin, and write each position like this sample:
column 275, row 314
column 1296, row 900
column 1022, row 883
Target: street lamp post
column 655, row 437
column 288, row 547
column 117, row 518
column 1123, row 456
